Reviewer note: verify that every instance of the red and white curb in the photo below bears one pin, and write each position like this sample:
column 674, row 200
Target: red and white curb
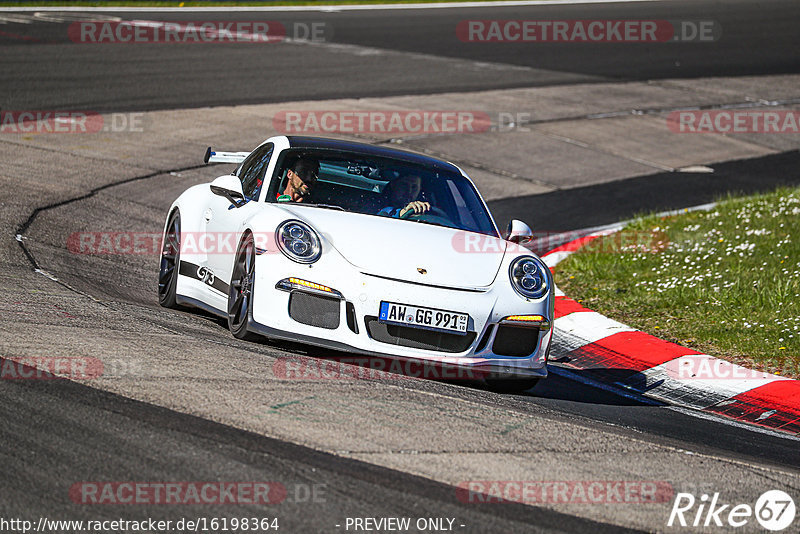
column 606, row 351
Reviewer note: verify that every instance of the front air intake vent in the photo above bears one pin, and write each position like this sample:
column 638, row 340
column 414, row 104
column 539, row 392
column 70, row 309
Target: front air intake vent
column 417, row 338
column 350, row 314
column 314, row 310
column 515, row 340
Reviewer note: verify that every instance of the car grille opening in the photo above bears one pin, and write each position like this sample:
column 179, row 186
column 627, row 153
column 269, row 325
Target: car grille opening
column 484, row 338
column 314, row 310
column 417, row 338
column 350, row 316
column 515, row 340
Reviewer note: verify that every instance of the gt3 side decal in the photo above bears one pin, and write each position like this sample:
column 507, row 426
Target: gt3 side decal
column 204, row 274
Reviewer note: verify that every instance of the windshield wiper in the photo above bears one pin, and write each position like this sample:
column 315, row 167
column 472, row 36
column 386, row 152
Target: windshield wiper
column 328, row 206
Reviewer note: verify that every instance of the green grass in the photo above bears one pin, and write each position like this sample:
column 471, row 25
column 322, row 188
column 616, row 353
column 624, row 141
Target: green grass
column 725, row 282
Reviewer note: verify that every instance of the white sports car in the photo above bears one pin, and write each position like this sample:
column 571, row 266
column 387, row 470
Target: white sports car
column 363, row 249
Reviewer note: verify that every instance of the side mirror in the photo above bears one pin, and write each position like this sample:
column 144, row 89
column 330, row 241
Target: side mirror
column 230, row 187
column 518, row 232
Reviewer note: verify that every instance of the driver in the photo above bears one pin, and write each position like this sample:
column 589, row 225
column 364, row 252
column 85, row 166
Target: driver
column 402, row 196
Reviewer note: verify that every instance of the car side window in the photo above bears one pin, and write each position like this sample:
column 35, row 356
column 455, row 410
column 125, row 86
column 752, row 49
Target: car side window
column 252, row 171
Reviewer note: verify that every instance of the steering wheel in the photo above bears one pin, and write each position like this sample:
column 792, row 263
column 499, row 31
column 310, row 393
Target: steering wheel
column 433, row 212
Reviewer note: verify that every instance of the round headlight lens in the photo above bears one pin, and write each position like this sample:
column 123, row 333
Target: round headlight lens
column 528, row 277
column 298, row 241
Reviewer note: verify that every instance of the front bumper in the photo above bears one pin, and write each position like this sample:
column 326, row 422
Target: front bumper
column 357, row 304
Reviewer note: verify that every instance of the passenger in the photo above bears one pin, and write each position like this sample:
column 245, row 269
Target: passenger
column 301, row 178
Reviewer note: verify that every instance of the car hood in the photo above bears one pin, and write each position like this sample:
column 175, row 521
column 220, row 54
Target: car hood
column 400, row 249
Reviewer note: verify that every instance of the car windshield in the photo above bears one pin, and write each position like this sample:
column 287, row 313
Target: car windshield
column 385, row 187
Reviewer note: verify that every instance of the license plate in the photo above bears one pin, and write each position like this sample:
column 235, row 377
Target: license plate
column 419, row 317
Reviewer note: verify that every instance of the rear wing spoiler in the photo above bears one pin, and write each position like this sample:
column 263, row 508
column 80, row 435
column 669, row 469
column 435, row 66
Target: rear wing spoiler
column 224, row 157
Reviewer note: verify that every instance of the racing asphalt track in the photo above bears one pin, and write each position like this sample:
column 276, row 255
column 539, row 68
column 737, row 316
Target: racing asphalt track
column 56, row 433
column 759, row 39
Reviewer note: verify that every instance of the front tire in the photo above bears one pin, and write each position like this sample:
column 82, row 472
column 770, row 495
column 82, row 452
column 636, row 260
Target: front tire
column 170, row 262
column 240, row 292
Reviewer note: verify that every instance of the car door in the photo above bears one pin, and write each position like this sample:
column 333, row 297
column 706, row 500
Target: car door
column 223, row 220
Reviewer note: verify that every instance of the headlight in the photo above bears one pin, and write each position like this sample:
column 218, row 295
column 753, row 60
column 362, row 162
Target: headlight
column 528, row 277
column 298, row 241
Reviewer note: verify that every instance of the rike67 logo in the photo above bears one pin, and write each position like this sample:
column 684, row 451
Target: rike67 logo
column 774, row 510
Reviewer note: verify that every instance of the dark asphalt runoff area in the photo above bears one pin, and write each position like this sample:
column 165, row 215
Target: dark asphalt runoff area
column 43, row 69
column 601, row 204
column 56, row 433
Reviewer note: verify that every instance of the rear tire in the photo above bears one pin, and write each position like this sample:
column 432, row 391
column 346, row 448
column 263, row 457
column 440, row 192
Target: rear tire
column 240, row 292
column 170, row 262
